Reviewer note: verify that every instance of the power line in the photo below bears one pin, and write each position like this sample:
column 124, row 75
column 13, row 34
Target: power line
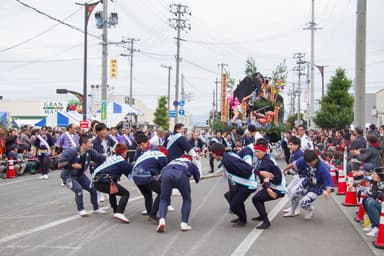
column 45, row 61
column 199, row 66
column 37, row 35
column 55, row 19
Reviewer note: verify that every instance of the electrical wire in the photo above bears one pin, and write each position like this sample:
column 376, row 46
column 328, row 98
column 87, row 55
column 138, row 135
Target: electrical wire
column 37, row 35
column 199, row 66
column 55, row 19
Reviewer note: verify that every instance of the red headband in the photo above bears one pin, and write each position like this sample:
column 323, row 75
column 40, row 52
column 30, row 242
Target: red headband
column 261, row 147
column 120, row 151
column 219, row 152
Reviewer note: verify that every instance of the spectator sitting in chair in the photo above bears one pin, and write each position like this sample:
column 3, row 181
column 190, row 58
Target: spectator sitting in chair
column 18, row 160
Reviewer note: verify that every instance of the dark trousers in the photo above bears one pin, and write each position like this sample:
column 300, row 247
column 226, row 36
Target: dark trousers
column 80, row 183
column 151, row 206
column 239, row 195
column 172, row 178
column 44, row 164
column 231, row 191
column 211, row 162
column 259, row 202
column 123, row 193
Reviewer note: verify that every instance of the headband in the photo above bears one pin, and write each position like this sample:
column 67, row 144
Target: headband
column 218, row 152
column 261, row 147
column 120, row 151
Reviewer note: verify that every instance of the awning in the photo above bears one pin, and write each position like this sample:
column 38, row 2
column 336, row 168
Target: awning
column 3, row 118
column 31, row 121
column 121, row 108
column 66, row 118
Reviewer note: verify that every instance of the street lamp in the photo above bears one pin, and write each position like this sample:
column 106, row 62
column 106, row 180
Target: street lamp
column 78, row 95
column 321, row 69
column 88, row 8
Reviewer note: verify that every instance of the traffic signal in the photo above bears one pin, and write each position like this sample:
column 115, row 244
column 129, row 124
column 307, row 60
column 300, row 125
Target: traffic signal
column 206, row 122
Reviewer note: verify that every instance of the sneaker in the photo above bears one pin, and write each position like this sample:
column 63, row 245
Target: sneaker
column 309, row 214
column 41, row 177
column 144, row 212
column 161, row 226
column 62, row 184
column 185, row 227
column 291, row 214
column 234, row 220
column 239, row 224
column 83, row 213
column 176, row 192
column 45, row 176
column 121, row 217
column 153, row 219
column 367, row 229
column 257, row 218
column 100, row 210
column 373, row 232
column 287, row 210
column 101, row 197
column 264, row 225
column 170, row 208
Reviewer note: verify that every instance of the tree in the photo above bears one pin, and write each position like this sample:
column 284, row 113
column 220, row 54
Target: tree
column 217, row 125
column 231, row 82
column 250, row 67
column 161, row 113
column 292, row 120
column 280, row 73
column 337, row 105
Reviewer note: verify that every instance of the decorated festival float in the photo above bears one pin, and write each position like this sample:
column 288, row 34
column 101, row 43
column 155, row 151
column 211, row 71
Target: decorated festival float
column 256, row 100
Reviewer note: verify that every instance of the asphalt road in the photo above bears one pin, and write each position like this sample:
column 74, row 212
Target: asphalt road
column 38, row 217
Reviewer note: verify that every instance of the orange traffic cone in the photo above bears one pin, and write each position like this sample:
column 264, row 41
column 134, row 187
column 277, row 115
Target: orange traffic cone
column 379, row 243
column 342, row 184
column 351, row 195
column 361, row 212
column 11, row 170
column 332, row 170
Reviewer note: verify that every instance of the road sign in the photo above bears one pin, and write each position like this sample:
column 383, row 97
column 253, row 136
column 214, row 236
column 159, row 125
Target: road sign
column 172, row 113
column 181, row 103
column 113, row 69
column 84, row 124
column 175, row 103
column 103, row 110
column 181, row 112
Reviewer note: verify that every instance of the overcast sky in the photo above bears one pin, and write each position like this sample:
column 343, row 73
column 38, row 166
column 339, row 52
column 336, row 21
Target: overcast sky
column 222, row 32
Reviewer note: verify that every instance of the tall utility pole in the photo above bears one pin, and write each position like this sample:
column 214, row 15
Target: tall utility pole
column 309, row 93
column 131, row 50
column 293, row 98
column 361, row 32
column 313, row 27
column 221, row 65
column 179, row 24
column 104, row 60
column 182, row 94
column 299, row 68
column 213, row 102
column 216, row 102
column 169, row 87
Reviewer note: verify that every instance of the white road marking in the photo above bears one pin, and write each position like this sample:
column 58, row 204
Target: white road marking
column 41, row 247
column 248, row 241
column 246, row 244
column 49, row 225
